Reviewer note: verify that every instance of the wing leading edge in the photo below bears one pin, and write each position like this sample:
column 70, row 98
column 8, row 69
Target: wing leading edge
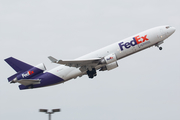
column 82, row 64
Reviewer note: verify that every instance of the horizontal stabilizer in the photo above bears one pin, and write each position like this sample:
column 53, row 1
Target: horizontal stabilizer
column 27, row 82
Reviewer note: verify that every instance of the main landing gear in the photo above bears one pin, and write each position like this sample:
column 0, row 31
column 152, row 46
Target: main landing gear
column 91, row 73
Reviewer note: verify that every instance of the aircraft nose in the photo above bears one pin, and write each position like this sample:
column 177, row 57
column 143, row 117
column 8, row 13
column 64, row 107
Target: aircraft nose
column 170, row 30
column 173, row 29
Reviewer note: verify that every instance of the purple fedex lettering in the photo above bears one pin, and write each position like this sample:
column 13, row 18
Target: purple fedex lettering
column 136, row 40
column 127, row 44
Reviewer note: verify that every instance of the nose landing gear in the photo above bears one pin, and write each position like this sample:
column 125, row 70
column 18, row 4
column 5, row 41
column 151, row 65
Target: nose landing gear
column 157, row 45
column 160, row 48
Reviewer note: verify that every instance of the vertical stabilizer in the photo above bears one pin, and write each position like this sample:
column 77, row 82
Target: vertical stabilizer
column 18, row 66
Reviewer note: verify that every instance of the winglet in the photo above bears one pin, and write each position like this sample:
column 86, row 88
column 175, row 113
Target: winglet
column 54, row 60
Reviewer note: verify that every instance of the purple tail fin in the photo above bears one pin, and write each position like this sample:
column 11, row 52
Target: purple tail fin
column 18, row 66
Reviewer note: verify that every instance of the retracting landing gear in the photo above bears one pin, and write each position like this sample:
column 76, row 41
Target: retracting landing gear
column 160, row 48
column 157, row 45
column 92, row 73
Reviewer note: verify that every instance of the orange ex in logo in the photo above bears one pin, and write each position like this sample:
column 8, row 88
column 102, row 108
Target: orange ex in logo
column 30, row 72
column 109, row 58
column 27, row 74
column 136, row 40
column 141, row 39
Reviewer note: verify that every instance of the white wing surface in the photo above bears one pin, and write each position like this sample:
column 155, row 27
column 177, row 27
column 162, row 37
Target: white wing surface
column 83, row 64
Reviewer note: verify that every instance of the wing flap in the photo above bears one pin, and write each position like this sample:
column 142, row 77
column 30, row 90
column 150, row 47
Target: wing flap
column 78, row 63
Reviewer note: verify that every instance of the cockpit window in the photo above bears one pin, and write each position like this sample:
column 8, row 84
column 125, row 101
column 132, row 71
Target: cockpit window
column 167, row 27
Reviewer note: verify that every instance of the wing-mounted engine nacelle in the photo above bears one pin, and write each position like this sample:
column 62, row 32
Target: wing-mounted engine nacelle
column 109, row 59
column 109, row 66
column 31, row 72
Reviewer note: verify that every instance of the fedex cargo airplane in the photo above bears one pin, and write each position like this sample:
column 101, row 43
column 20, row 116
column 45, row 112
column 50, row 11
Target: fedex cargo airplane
column 103, row 59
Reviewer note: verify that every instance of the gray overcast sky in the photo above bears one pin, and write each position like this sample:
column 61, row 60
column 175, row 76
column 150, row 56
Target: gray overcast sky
column 145, row 86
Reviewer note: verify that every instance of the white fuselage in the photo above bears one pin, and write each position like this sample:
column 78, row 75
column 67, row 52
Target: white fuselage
column 121, row 49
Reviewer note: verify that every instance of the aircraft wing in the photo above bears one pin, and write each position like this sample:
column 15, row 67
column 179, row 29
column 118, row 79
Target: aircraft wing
column 81, row 63
column 26, row 82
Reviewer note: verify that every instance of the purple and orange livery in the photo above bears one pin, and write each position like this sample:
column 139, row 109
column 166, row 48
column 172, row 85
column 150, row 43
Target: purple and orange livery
column 136, row 40
column 29, row 76
column 103, row 59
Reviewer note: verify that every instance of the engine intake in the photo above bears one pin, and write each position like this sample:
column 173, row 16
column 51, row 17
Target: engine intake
column 109, row 59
